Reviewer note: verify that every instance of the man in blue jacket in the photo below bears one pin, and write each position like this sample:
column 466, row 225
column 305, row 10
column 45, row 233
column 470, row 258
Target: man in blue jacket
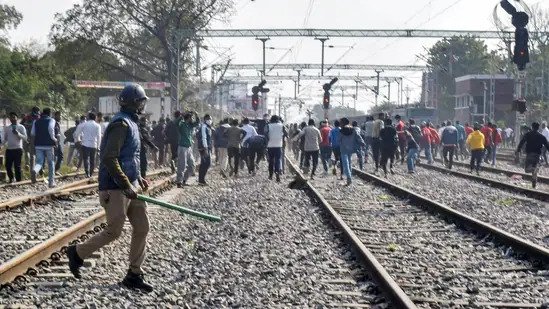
column 348, row 141
column 119, row 175
column 449, row 141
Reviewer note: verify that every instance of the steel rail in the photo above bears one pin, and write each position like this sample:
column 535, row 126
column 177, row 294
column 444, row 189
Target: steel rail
column 388, row 285
column 27, row 182
column 495, row 170
column 20, row 264
column 519, row 244
column 76, row 186
column 532, row 193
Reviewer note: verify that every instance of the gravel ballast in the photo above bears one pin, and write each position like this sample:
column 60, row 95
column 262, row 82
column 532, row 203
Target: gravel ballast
column 273, row 249
column 515, row 213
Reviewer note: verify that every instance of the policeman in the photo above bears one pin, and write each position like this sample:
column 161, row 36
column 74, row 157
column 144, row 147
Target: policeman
column 119, row 175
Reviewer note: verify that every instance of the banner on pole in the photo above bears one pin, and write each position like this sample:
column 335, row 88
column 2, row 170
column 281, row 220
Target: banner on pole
column 119, row 84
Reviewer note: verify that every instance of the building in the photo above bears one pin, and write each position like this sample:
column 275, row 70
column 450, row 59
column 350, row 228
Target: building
column 156, row 107
column 475, row 92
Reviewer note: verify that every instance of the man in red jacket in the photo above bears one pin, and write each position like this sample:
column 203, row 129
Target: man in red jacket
column 400, row 128
column 486, row 130
column 468, row 129
column 426, row 142
column 496, row 140
column 435, row 139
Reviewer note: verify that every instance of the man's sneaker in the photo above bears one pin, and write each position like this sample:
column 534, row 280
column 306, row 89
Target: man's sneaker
column 203, row 183
column 136, row 282
column 277, row 177
column 75, row 262
column 349, row 182
column 52, row 185
column 33, row 176
column 180, row 185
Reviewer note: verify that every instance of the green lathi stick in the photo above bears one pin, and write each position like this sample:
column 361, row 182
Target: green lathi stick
column 184, row 210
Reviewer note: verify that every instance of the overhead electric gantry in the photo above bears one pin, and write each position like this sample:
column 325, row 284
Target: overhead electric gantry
column 315, row 66
column 347, row 33
column 321, row 35
column 359, row 80
column 251, row 78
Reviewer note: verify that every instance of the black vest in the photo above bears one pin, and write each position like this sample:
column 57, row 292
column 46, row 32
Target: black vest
column 41, row 134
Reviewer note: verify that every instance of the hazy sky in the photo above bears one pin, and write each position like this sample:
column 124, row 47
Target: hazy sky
column 340, row 14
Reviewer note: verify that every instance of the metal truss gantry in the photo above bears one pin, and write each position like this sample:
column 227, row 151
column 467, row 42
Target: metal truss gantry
column 240, row 78
column 348, row 33
column 314, row 66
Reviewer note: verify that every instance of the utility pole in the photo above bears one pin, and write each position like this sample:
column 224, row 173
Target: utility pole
column 378, row 72
column 407, row 96
column 342, row 97
column 389, row 91
column 263, row 40
column 198, row 69
column 484, row 102
column 279, row 105
column 322, row 41
column 298, row 80
column 295, row 89
column 356, row 95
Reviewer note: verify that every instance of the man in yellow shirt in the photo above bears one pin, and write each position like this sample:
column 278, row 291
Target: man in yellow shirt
column 475, row 141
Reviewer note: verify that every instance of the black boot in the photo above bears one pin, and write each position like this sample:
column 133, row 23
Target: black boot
column 277, row 177
column 135, row 281
column 75, row 262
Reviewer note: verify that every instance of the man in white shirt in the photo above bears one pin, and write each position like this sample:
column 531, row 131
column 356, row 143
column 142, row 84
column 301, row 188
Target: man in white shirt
column 14, row 136
column 250, row 131
column 89, row 134
column 545, row 132
column 508, row 136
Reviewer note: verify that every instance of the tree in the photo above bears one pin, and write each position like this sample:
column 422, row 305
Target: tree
column 141, row 34
column 10, row 18
column 454, row 57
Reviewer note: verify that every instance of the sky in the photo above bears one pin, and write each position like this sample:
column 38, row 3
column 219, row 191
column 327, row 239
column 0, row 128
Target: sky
column 331, row 14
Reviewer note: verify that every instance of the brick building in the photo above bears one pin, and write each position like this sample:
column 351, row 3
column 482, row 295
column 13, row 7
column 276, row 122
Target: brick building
column 470, row 94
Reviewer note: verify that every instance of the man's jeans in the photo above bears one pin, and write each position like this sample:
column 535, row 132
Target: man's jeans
column 325, row 156
column 43, row 154
column 411, row 159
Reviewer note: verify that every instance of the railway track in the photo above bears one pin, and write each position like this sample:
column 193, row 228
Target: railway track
column 500, row 171
column 538, row 194
column 15, row 185
column 424, row 254
column 54, row 224
column 9, row 192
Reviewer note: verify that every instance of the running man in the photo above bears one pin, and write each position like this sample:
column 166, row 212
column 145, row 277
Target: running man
column 534, row 144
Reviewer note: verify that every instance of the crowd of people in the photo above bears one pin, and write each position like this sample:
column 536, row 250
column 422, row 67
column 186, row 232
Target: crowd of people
column 176, row 142
column 126, row 142
column 384, row 141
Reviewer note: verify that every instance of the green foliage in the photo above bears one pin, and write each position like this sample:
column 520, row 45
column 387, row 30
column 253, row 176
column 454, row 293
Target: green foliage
column 458, row 56
column 10, row 18
column 139, row 33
